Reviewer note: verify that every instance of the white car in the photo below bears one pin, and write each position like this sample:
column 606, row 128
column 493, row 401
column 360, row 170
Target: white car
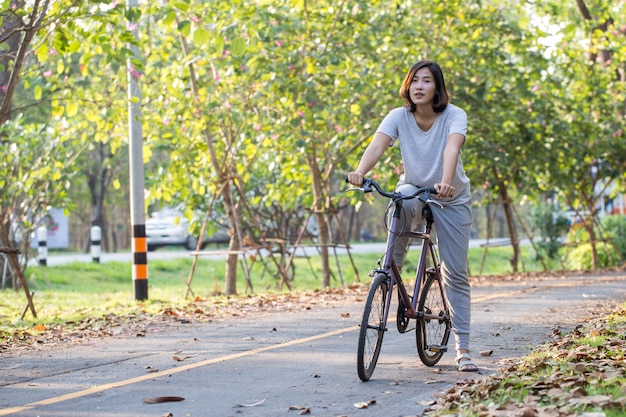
column 169, row 227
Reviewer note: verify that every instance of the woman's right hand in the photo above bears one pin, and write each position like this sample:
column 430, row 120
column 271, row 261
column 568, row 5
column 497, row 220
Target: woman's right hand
column 355, row 178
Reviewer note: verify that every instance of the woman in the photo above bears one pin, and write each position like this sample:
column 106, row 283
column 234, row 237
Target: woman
column 431, row 133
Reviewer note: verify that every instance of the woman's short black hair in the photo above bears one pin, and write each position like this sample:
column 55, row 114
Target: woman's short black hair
column 442, row 98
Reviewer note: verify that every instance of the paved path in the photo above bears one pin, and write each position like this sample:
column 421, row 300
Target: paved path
column 265, row 365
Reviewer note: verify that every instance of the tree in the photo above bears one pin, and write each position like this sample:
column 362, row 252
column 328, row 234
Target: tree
column 39, row 173
column 250, row 112
column 589, row 65
column 300, row 91
column 493, row 73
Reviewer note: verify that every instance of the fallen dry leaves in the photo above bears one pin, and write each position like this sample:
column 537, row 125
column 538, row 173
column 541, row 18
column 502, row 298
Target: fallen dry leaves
column 558, row 380
column 301, row 409
column 199, row 310
column 364, row 404
column 158, row 400
column 213, row 309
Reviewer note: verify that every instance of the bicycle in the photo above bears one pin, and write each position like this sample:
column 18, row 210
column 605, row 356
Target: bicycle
column 427, row 304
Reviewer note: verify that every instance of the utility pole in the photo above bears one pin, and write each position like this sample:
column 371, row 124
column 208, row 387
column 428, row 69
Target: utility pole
column 137, row 200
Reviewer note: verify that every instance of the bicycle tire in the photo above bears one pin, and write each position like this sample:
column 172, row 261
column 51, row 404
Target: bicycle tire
column 432, row 334
column 372, row 327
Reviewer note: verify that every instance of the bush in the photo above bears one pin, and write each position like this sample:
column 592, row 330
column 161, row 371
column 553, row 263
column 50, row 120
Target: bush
column 614, row 228
column 577, row 234
column 580, row 258
column 550, row 226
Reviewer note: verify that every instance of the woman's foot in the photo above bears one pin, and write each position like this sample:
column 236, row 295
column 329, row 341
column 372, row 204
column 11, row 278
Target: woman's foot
column 464, row 363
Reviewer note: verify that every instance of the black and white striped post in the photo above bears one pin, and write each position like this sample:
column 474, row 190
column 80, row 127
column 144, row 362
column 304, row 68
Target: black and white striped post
column 42, row 247
column 96, row 236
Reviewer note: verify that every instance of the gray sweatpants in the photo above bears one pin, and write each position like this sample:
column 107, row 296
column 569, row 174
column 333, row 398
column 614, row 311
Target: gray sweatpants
column 453, row 225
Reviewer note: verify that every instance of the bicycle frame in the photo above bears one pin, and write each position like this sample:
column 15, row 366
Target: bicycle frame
column 391, row 268
column 432, row 320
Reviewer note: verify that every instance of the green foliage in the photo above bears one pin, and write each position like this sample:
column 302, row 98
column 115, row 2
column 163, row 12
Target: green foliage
column 289, row 93
column 583, row 135
column 35, row 174
column 614, row 228
column 65, row 101
column 550, row 225
column 577, row 235
column 611, row 250
column 580, row 258
column 75, row 46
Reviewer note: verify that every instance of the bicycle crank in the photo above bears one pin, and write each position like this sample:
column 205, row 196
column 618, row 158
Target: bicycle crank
column 402, row 320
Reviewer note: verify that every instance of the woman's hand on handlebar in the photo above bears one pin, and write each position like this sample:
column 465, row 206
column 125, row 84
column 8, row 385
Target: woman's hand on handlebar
column 355, row 178
column 444, row 190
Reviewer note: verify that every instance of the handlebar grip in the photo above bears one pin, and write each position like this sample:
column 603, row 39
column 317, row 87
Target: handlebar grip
column 366, row 181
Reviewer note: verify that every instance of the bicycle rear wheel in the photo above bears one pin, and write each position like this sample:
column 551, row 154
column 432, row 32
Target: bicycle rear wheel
column 432, row 333
column 372, row 327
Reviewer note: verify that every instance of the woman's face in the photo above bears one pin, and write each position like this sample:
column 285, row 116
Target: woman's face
column 423, row 88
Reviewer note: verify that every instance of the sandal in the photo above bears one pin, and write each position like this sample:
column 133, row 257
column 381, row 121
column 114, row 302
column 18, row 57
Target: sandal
column 464, row 363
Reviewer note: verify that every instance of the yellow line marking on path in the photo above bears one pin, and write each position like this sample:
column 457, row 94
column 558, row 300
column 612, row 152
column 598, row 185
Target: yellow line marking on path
column 549, row 285
column 489, row 297
column 105, row 387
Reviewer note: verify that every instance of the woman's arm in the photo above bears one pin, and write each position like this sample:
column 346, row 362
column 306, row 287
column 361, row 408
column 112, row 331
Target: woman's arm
column 370, row 158
column 450, row 159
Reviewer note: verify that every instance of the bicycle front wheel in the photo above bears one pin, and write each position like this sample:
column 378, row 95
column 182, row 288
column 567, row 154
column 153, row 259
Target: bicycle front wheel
column 433, row 325
column 372, row 327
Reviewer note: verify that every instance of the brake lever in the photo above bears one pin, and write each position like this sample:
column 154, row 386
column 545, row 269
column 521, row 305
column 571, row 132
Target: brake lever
column 356, row 189
column 364, row 189
column 437, row 203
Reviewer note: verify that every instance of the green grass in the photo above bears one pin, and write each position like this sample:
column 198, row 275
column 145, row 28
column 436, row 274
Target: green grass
column 78, row 290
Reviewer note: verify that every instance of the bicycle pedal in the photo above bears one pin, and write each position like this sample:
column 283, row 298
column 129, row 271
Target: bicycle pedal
column 437, row 349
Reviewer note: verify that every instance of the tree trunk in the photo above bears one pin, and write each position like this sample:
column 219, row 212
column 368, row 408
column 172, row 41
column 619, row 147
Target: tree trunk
column 513, row 235
column 234, row 244
column 322, row 216
column 10, row 23
column 21, row 40
column 98, row 179
column 510, row 222
column 225, row 186
column 588, row 224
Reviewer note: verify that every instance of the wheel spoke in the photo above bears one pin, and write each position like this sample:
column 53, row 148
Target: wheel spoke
column 433, row 329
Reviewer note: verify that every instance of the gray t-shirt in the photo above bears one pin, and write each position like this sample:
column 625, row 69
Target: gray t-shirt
column 422, row 152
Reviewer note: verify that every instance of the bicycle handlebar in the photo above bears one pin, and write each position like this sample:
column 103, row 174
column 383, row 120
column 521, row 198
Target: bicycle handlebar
column 370, row 185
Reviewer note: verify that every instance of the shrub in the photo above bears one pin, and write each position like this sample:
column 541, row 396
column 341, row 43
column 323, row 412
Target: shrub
column 580, row 258
column 614, row 228
column 550, row 226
